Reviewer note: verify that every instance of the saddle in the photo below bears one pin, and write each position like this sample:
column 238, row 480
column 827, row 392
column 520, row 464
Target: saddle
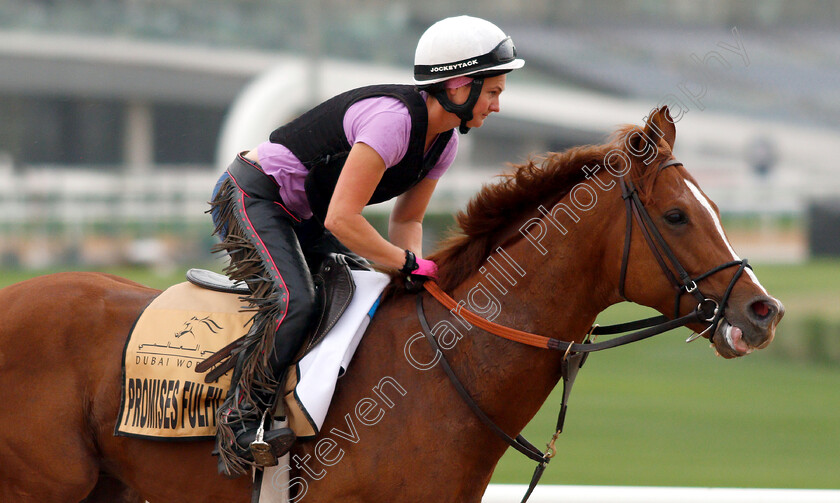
column 334, row 288
column 165, row 395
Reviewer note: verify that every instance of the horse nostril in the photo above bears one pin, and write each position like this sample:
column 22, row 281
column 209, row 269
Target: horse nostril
column 763, row 310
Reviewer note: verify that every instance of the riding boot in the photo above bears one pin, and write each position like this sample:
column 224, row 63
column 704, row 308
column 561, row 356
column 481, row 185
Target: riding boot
column 239, row 420
column 245, row 420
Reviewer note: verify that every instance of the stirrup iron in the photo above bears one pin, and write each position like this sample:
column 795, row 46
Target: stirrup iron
column 260, row 449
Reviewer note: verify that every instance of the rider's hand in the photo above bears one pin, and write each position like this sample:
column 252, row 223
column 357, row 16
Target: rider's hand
column 426, row 268
column 417, row 270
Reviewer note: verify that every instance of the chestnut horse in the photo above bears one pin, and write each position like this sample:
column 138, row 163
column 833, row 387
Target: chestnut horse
column 540, row 251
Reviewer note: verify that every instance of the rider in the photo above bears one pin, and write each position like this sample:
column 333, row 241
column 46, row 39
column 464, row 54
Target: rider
column 281, row 206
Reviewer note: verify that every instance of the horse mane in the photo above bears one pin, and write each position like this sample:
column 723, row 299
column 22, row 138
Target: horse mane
column 516, row 194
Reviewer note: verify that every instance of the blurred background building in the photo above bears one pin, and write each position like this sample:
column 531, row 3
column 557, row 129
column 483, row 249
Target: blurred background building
column 116, row 116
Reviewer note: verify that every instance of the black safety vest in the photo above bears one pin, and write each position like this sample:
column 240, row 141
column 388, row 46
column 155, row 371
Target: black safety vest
column 317, row 139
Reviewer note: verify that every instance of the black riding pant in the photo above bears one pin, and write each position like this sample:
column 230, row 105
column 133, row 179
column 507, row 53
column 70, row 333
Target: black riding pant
column 289, row 249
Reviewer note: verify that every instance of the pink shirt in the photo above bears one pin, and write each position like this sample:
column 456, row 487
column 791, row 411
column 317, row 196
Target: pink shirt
column 383, row 123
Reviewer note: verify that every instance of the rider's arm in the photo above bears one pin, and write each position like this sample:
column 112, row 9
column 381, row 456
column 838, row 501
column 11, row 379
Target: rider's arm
column 359, row 177
column 405, row 228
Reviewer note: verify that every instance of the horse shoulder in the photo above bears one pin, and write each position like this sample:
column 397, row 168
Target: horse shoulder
column 385, row 419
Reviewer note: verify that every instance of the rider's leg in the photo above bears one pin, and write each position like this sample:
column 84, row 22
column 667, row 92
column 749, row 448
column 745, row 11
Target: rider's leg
column 265, row 253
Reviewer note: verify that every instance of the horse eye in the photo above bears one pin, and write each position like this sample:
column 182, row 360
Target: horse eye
column 676, row 217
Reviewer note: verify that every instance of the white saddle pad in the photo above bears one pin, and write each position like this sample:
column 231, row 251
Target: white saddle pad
column 318, row 371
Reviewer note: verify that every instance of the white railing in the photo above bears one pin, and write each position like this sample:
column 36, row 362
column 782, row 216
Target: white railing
column 76, row 196
column 504, row 493
column 73, row 196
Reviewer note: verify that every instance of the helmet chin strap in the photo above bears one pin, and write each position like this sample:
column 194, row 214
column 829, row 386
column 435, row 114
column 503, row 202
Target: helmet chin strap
column 464, row 110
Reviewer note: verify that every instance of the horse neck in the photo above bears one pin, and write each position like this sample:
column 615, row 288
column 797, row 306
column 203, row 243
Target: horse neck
column 557, row 295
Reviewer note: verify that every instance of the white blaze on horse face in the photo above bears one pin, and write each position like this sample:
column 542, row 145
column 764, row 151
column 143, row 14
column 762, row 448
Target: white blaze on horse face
column 704, row 202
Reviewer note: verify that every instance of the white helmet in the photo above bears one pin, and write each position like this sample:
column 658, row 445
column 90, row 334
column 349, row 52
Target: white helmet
column 461, row 46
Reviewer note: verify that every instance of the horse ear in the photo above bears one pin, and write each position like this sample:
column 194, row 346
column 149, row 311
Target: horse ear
column 644, row 143
column 661, row 125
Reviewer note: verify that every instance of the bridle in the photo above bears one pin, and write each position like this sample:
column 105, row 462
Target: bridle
column 707, row 311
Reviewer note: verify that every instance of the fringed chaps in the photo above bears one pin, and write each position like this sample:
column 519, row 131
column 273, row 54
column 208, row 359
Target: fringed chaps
column 254, row 379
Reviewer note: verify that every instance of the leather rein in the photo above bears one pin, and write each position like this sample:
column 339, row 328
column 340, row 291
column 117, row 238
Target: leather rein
column 707, row 311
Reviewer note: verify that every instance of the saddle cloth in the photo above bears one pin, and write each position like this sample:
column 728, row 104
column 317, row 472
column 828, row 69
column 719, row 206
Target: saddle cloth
column 164, row 398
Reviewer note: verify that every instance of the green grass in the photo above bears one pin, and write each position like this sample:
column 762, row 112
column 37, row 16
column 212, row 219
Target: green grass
column 805, row 290
column 661, row 412
column 664, row 413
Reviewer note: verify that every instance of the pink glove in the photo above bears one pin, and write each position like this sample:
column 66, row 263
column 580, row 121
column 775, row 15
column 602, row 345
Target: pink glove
column 426, row 268
column 418, row 266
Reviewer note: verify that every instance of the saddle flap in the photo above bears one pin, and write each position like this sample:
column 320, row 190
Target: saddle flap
column 334, row 288
column 216, row 282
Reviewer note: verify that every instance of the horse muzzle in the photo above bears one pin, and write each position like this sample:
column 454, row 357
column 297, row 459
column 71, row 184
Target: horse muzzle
column 748, row 327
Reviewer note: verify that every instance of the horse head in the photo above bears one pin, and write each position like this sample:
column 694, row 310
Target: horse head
column 188, row 328
column 691, row 260
column 608, row 223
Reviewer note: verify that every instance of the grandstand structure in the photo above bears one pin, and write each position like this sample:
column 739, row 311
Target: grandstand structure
column 104, row 131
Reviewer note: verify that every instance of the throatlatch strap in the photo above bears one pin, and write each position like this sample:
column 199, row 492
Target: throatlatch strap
column 628, row 233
